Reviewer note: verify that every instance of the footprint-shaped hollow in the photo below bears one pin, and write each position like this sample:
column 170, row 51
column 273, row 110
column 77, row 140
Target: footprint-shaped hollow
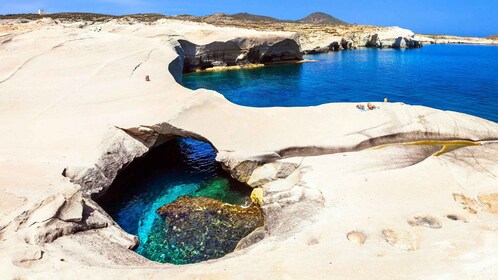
column 357, row 237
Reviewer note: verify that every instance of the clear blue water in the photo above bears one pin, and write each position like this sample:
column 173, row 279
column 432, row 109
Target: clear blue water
column 460, row 78
column 177, row 168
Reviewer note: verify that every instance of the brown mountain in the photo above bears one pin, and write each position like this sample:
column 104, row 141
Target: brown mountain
column 493, row 37
column 314, row 18
column 251, row 17
column 321, row 18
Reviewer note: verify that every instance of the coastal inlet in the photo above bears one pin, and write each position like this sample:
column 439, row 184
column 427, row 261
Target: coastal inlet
column 181, row 204
column 459, row 78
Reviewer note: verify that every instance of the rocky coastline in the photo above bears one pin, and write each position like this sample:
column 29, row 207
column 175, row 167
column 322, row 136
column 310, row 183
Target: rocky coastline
column 368, row 41
column 323, row 197
column 240, row 52
column 279, row 47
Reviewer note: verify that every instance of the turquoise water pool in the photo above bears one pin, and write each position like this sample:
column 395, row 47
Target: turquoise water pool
column 178, row 168
column 460, row 78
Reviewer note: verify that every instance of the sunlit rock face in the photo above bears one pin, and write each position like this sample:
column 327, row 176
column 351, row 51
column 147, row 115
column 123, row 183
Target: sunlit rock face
column 240, row 51
column 204, row 228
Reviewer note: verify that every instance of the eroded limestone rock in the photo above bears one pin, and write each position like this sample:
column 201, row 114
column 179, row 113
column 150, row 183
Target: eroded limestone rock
column 270, row 172
column 118, row 150
column 63, row 214
column 240, row 51
column 425, row 221
column 406, row 43
column 490, row 202
column 484, row 203
column 401, row 239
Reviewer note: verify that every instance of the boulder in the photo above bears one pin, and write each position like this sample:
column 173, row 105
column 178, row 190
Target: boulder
column 317, row 50
column 347, row 44
column 406, row 43
column 374, row 42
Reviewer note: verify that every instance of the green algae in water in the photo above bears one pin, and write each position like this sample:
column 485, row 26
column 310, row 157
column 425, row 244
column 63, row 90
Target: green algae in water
column 219, row 188
column 177, row 168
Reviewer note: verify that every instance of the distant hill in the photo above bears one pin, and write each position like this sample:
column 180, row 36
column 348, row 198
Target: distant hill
column 69, row 16
column 321, row 18
column 493, row 37
column 251, row 17
column 314, row 18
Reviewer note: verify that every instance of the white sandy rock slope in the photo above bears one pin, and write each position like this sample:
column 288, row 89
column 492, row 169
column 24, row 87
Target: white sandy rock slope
column 343, row 197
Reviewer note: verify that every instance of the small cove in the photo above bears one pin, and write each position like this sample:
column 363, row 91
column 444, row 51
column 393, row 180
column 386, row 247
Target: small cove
column 459, row 78
column 177, row 168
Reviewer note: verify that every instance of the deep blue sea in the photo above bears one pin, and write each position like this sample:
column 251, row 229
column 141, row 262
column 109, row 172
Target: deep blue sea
column 461, row 78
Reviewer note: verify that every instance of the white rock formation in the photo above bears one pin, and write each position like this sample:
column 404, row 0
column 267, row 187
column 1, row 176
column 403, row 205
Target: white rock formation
column 241, row 51
column 371, row 37
column 448, row 39
column 344, row 197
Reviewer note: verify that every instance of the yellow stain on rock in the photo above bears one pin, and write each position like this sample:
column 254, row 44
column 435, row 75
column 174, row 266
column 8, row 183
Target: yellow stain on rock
column 490, row 201
column 257, row 196
column 447, row 146
column 484, row 202
column 230, row 68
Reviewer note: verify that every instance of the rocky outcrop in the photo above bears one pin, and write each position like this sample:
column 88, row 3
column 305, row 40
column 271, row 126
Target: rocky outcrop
column 389, row 37
column 449, row 39
column 406, row 43
column 368, row 41
column 240, row 51
column 204, row 228
column 61, row 215
column 375, row 41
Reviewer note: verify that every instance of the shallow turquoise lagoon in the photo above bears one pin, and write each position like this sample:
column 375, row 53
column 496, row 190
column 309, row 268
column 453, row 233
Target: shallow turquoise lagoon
column 460, row 78
column 177, row 168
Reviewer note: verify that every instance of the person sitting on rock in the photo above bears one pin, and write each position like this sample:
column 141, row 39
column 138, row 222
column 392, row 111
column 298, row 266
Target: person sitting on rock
column 370, row 106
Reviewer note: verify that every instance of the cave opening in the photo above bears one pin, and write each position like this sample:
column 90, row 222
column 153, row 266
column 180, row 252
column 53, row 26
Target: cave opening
column 181, row 204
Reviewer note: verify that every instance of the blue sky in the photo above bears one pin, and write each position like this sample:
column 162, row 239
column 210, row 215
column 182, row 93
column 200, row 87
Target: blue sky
column 459, row 17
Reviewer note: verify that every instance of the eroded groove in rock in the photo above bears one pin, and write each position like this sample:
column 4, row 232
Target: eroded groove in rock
column 398, row 138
